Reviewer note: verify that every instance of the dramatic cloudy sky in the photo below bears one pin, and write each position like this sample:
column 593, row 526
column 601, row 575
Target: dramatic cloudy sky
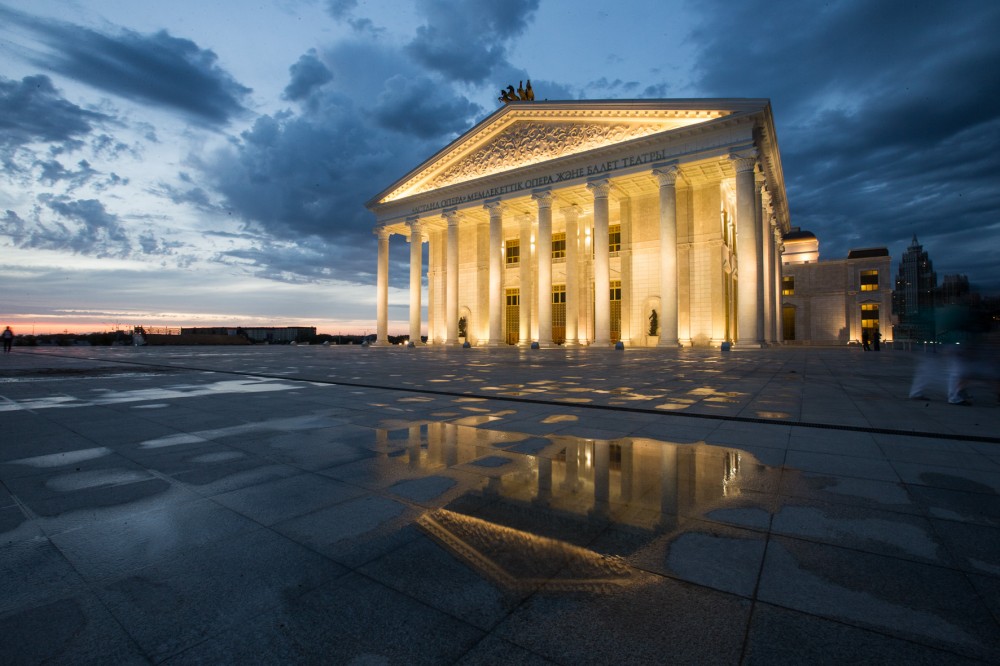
column 201, row 163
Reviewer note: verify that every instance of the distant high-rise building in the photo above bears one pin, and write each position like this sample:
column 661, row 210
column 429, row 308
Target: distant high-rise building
column 954, row 289
column 913, row 298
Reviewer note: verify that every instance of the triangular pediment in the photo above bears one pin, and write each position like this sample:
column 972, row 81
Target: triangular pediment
column 523, row 134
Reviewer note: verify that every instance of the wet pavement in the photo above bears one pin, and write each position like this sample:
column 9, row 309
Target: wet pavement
column 353, row 505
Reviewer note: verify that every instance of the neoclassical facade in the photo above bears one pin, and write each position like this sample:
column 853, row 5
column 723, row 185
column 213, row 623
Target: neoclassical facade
column 652, row 222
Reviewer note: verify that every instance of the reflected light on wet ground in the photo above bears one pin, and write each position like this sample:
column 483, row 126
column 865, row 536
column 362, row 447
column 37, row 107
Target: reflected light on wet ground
column 109, row 397
column 523, row 503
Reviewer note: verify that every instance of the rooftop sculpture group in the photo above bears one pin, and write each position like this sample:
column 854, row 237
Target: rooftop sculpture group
column 522, row 94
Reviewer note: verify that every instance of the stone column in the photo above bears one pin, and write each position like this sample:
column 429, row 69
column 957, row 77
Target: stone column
column 747, row 252
column 416, row 269
column 544, row 249
column 669, row 291
column 625, row 271
column 570, row 216
column 602, row 263
column 451, row 290
column 761, row 244
column 496, row 272
column 434, row 266
column 769, row 303
column 382, row 289
column 525, row 270
column 779, row 331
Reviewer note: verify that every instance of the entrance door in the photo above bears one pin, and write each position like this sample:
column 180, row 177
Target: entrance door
column 559, row 313
column 788, row 322
column 513, row 312
column 869, row 321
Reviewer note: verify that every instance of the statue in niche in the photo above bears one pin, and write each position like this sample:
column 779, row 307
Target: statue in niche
column 522, row 94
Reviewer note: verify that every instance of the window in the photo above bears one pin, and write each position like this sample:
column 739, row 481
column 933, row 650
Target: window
column 869, row 280
column 615, row 238
column 513, row 253
column 788, row 285
column 558, row 246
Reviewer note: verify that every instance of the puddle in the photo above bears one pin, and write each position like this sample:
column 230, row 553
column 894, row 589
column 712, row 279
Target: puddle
column 247, row 385
column 521, row 562
column 524, row 501
column 60, row 459
column 94, row 479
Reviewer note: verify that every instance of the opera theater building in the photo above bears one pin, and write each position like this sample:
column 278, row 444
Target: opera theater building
column 650, row 222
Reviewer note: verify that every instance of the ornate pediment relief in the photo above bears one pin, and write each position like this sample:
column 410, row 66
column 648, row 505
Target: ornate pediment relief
column 521, row 142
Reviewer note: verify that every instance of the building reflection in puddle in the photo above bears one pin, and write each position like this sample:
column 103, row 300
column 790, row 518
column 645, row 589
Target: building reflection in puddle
column 536, row 502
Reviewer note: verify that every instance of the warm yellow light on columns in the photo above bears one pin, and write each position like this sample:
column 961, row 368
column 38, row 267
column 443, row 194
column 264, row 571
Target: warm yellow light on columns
column 451, row 284
column 544, row 250
column 666, row 176
column 496, row 272
column 416, row 269
column 382, row 289
column 602, row 263
column 571, row 215
column 746, row 251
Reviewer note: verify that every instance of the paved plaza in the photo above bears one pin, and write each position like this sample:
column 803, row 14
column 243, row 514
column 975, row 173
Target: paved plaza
column 350, row 505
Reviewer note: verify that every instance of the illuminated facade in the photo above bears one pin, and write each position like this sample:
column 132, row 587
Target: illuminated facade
column 686, row 198
column 834, row 302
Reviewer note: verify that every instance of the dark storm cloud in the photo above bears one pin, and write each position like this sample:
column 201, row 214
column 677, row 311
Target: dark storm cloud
column 307, row 260
column 156, row 69
column 80, row 226
column 304, row 176
column 294, row 176
column 343, row 10
column 84, row 227
column 308, row 73
column 53, row 171
column 423, row 109
column 886, row 114
column 467, row 39
column 32, row 110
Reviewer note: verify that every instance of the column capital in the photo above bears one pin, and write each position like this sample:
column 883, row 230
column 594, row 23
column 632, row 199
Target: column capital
column 570, row 211
column 601, row 188
column 382, row 232
column 494, row 206
column 543, row 197
column 666, row 174
column 744, row 161
column 452, row 215
column 414, row 224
